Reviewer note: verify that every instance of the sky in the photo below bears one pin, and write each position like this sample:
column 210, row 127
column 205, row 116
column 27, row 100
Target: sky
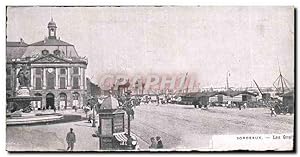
column 248, row 42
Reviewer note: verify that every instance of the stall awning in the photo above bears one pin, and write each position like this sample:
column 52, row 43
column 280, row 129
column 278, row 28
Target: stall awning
column 121, row 137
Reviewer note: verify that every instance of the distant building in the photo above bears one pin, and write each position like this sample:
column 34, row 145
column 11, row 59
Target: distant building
column 289, row 101
column 57, row 71
column 93, row 89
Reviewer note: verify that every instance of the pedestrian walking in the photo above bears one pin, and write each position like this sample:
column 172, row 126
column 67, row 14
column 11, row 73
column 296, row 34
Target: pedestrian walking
column 159, row 143
column 273, row 111
column 195, row 103
column 90, row 118
column 71, row 139
column 199, row 104
column 153, row 143
column 157, row 99
column 245, row 105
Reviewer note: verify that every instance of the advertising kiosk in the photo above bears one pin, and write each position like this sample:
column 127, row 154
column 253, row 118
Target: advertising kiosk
column 111, row 131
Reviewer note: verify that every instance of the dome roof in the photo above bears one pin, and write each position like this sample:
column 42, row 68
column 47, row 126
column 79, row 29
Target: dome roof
column 110, row 103
column 51, row 23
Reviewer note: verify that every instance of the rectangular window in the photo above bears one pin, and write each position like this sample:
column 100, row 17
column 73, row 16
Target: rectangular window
column 62, row 83
column 50, row 82
column 62, row 71
column 83, row 79
column 38, row 71
column 8, row 71
column 38, row 83
column 75, row 83
column 75, row 70
column 50, row 76
column 8, row 83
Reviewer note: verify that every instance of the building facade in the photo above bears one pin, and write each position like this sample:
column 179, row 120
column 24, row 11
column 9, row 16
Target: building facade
column 93, row 89
column 57, row 72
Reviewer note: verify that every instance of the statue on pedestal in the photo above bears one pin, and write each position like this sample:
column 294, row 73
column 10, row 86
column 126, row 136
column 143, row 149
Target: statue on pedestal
column 24, row 77
column 24, row 81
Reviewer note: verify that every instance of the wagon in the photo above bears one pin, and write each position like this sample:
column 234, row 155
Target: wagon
column 281, row 108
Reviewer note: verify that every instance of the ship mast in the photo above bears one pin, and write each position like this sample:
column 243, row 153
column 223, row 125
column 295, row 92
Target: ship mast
column 280, row 83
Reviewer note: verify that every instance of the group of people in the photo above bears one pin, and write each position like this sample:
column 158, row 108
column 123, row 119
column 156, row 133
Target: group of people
column 242, row 106
column 156, row 143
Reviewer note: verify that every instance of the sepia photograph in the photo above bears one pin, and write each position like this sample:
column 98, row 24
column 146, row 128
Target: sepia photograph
column 150, row 78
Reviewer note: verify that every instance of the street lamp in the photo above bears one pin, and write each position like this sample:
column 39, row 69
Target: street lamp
column 94, row 125
column 128, row 107
column 129, row 141
column 92, row 103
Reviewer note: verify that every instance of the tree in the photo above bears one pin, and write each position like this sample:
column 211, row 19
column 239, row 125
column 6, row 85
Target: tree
column 86, row 110
column 93, row 103
column 127, row 105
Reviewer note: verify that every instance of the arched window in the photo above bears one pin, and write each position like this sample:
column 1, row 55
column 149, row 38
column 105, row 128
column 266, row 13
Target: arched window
column 76, row 100
column 38, row 94
column 63, row 96
column 37, row 105
column 62, row 100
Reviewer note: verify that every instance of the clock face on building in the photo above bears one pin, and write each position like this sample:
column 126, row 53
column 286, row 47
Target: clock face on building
column 50, row 70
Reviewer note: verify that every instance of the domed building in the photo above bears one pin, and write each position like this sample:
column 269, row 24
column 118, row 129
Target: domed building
column 57, row 72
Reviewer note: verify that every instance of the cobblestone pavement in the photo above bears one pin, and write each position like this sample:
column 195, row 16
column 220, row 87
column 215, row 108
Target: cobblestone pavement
column 181, row 127
column 184, row 127
column 52, row 137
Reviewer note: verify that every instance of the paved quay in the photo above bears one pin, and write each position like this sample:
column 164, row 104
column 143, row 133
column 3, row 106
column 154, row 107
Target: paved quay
column 179, row 126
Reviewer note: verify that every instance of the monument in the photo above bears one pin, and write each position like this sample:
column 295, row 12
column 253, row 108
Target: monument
column 24, row 81
column 19, row 107
column 22, row 99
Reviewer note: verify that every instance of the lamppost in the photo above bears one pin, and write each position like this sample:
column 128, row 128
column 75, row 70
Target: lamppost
column 128, row 108
column 93, row 120
column 227, row 82
column 92, row 103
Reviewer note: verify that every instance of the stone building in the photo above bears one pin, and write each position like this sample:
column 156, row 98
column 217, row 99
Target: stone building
column 93, row 89
column 57, row 72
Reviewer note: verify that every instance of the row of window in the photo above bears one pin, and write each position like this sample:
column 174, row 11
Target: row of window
column 56, row 52
column 50, row 79
column 63, row 96
column 62, row 71
column 51, row 83
column 38, row 71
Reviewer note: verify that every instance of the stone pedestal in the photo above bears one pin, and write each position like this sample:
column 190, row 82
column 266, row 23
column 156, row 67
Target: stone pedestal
column 23, row 92
column 22, row 100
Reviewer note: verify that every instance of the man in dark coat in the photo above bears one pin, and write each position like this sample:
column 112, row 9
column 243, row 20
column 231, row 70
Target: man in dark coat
column 159, row 143
column 71, row 139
